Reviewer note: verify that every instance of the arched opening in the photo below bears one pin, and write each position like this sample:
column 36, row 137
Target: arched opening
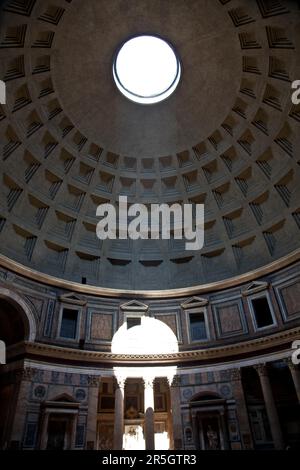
column 16, row 325
column 59, row 422
column 208, row 412
column 286, row 402
column 21, row 313
column 258, row 417
column 146, row 336
column 12, row 327
column 142, row 406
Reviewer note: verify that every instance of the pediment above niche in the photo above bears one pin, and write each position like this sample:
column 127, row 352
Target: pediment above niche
column 72, row 298
column 256, row 286
column 194, row 302
column 62, row 401
column 65, row 398
column 134, row 306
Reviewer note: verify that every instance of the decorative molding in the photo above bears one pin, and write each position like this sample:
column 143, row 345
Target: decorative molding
column 168, row 293
column 64, row 400
column 226, row 304
column 49, row 318
column 279, row 288
column 254, row 287
column 92, row 314
column 73, row 299
column 252, row 347
column 194, row 302
column 133, row 306
column 29, row 317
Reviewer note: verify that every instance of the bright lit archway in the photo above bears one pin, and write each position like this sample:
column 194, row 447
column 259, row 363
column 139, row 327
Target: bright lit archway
column 146, row 69
column 151, row 336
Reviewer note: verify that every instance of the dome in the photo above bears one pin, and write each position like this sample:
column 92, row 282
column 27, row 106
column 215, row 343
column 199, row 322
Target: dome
column 226, row 138
column 115, row 333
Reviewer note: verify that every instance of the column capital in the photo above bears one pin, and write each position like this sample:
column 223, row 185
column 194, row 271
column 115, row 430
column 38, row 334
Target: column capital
column 174, row 380
column 262, row 370
column 148, row 382
column 121, row 381
column 236, row 374
column 289, row 362
column 27, row 374
column 94, row 380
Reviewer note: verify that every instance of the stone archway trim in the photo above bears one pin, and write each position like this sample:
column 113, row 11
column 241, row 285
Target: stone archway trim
column 27, row 314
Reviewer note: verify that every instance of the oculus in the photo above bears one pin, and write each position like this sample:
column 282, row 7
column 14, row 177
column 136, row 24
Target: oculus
column 146, row 69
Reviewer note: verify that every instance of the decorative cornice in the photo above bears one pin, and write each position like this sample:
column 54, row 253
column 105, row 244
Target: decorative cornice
column 256, row 286
column 168, row 293
column 194, row 302
column 73, row 299
column 133, row 306
column 252, row 347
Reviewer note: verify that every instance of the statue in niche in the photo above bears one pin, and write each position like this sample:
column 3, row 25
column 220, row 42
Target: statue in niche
column 133, row 438
column 212, row 438
column 132, row 432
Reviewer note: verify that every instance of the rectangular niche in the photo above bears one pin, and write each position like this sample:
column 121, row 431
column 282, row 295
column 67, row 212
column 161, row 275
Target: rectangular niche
column 101, row 326
column 197, row 325
column 69, row 323
column 261, row 310
column 230, row 318
column 172, row 321
column 288, row 295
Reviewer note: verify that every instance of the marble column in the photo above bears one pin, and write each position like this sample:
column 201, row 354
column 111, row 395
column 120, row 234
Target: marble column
column 24, row 378
column 174, row 384
column 196, row 434
column 241, row 409
column 119, row 413
column 223, row 432
column 74, row 421
column 149, row 412
column 169, row 422
column 91, row 432
column 270, row 406
column 44, row 434
column 295, row 373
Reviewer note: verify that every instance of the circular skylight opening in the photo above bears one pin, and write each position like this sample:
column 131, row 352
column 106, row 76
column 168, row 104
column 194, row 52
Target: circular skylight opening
column 146, row 69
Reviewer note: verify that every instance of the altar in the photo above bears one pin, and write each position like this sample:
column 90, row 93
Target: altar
column 133, row 438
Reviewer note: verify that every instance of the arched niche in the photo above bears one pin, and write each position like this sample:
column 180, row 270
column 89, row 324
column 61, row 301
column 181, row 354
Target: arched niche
column 150, row 336
column 17, row 322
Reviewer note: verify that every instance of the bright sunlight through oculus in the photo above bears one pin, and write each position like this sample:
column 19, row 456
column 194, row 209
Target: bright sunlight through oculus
column 146, row 69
